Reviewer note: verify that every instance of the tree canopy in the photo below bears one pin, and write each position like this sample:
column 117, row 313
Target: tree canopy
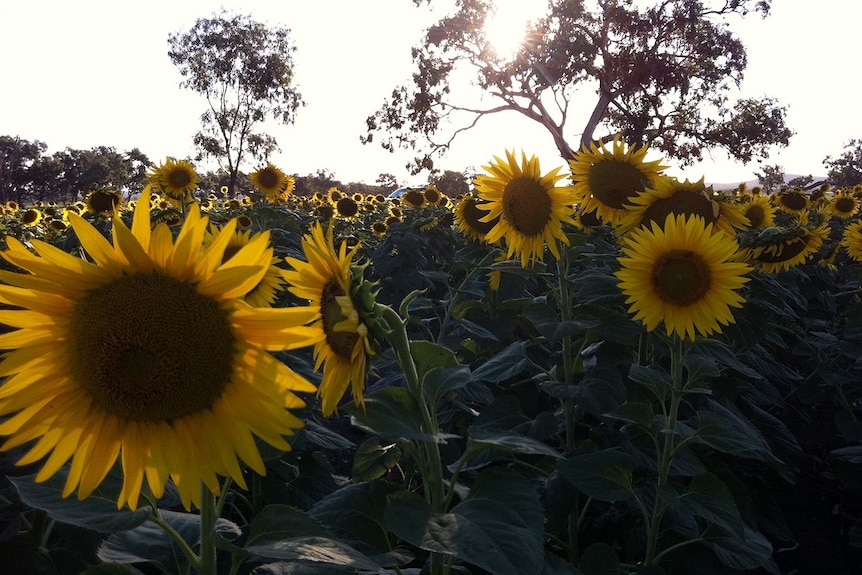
column 846, row 169
column 661, row 74
column 245, row 70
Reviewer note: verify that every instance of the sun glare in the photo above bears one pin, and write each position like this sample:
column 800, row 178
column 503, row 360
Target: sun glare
column 506, row 25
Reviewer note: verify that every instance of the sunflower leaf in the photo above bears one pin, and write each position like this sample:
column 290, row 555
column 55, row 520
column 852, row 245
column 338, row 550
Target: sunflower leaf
column 98, row 512
column 372, row 460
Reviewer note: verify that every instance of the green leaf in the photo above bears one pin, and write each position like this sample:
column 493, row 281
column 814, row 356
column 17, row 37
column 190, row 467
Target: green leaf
column 510, row 362
column 636, row 412
column 149, row 543
column 324, row 437
column 701, row 370
column 546, row 320
column 282, row 532
column 97, row 512
column 372, row 460
column 390, row 412
column 111, row 569
column 441, row 380
column 355, row 514
column 725, row 431
column 604, row 475
column 709, row 498
column 509, row 442
column 600, row 559
column 744, row 553
column 429, row 355
column 657, row 381
column 498, row 527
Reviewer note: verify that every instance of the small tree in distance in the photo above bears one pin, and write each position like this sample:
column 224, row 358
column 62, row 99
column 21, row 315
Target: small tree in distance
column 846, row 169
column 245, row 71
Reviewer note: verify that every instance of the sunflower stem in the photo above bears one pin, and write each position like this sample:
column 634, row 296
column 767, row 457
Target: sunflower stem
column 665, row 454
column 209, row 516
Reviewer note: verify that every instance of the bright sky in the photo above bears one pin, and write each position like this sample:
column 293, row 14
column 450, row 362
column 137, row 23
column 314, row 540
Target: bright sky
column 92, row 72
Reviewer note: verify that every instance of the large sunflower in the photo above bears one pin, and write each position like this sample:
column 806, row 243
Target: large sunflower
column 844, row 204
column 469, row 218
column 174, row 179
column 683, row 274
column 669, row 195
column 529, row 207
column 146, row 354
column 851, row 239
column 270, row 180
column 343, row 347
column 607, row 179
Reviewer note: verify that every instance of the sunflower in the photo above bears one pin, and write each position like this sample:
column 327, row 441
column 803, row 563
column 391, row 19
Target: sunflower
column 104, row 202
column 334, row 194
column 669, row 195
column 844, row 204
column 433, row 196
column 343, row 348
column 607, row 179
column 792, row 201
column 682, row 273
column 790, row 248
column 175, row 179
column 146, row 355
column 529, row 207
column 758, row 211
column 413, row 198
column 265, row 292
column 270, row 181
column 851, row 240
column 347, row 208
column 469, row 218
column 31, row 216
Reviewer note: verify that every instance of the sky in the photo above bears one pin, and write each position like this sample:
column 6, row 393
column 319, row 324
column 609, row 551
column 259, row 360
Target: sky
column 96, row 73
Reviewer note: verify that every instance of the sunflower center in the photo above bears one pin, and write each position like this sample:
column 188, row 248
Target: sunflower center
column 103, row 202
column 179, row 178
column 682, row 202
column 527, row 206
column 269, row 179
column 845, row 205
column 681, row 277
column 755, row 215
column 148, row 347
column 793, row 201
column 347, row 207
column 613, row 182
column 342, row 343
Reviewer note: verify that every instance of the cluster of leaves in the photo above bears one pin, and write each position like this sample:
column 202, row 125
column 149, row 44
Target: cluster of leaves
column 537, row 439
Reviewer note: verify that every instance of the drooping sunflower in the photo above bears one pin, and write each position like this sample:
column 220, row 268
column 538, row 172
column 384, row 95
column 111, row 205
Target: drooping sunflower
column 174, row 179
column 605, row 180
column 30, row 216
column 682, row 273
column 844, row 204
column 343, row 348
column 104, row 202
column 346, row 208
column 851, row 240
column 413, row 198
column 792, row 201
column 790, row 248
column 148, row 355
column 469, row 218
column 530, row 209
column 270, row 181
column 433, row 196
column 266, row 291
column 669, row 195
column 758, row 211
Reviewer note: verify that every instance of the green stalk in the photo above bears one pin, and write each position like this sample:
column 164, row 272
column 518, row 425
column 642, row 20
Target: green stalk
column 209, row 516
column 430, row 463
column 665, row 454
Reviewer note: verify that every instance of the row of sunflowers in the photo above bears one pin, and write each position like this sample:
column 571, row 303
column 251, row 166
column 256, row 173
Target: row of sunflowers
column 169, row 345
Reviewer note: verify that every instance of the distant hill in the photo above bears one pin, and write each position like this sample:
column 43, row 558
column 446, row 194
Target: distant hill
column 755, row 182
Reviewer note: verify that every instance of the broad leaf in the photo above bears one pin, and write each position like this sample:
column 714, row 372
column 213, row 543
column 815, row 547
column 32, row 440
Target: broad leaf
column 498, row 527
column 372, row 460
column 390, row 412
column 509, row 442
column 603, row 475
column 600, row 559
column 744, row 553
column 709, row 498
column 510, row 362
column 636, row 412
column 97, row 512
column 282, row 532
column 149, row 543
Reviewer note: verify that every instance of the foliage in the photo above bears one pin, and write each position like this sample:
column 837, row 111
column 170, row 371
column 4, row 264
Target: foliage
column 245, row 71
column 771, row 178
column 661, row 73
column 846, row 169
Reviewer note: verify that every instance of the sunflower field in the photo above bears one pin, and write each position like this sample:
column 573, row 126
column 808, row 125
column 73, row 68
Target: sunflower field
column 598, row 369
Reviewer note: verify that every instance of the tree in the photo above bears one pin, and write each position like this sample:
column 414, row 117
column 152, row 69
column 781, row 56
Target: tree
column 16, row 158
column 772, row 178
column 245, row 71
column 846, row 169
column 451, row 183
column 661, row 73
